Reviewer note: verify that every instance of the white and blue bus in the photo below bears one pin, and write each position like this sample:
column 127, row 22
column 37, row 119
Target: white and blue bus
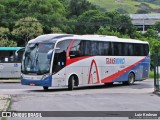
column 10, row 67
column 73, row 60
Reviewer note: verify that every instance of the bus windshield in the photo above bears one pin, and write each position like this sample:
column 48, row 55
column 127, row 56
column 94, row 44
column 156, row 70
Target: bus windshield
column 35, row 58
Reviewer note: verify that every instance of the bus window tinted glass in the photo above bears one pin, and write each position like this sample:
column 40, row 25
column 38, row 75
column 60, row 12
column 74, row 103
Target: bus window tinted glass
column 94, row 48
column 7, row 56
column 43, row 48
column 146, row 50
column 104, row 48
column 117, row 48
column 60, row 56
column 130, row 50
column 138, row 50
column 87, row 48
column 125, row 49
column 76, row 49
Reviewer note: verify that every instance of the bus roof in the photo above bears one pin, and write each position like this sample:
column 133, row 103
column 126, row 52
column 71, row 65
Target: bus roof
column 49, row 38
column 52, row 38
column 10, row 48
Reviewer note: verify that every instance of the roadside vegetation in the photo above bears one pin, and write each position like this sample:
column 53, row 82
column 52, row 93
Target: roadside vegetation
column 151, row 75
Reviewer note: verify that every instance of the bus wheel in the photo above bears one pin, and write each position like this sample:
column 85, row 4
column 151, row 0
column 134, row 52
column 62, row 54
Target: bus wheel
column 131, row 79
column 71, row 83
column 109, row 84
column 45, row 87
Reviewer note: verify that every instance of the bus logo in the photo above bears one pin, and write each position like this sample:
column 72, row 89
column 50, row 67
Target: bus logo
column 115, row 60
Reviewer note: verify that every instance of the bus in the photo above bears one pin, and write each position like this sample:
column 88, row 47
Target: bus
column 10, row 67
column 54, row 60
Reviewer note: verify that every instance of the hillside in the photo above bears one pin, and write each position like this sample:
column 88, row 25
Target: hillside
column 128, row 6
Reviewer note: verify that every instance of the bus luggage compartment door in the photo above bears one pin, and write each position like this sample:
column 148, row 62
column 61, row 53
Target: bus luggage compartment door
column 106, row 72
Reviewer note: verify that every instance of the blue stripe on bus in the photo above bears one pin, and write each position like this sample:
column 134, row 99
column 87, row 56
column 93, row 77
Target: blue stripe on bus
column 140, row 75
column 10, row 48
column 46, row 82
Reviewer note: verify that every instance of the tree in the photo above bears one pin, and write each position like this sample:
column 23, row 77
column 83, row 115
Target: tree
column 122, row 11
column 78, row 7
column 120, row 23
column 106, row 31
column 56, row 30
column 126, row 26
column 142, row 11
column 151, row 33
column 157, row 26
column 3, row 33
column 26, row 29
column 50, row 13
column 4, row 42
column 7, row 43
column 90, row 21
column 8, row 13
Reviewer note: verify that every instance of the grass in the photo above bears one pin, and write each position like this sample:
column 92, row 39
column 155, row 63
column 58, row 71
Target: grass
column 151, row 74
column 128, row 5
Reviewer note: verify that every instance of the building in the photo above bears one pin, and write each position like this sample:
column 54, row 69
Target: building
column 143, row 21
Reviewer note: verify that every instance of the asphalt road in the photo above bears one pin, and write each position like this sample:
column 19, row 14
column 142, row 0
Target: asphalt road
column 138, row 97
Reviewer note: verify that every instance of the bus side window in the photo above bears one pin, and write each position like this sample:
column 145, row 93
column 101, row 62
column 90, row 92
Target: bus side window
column 104, row 48
column 117, row 48
column 59, row 61
column 11, row 56
column 130, row 49
column 76, row 49
column 1, row 57
column 87, row 48
column 146, row 50
column 125, row 49
column 138, row 49
column 94, row 48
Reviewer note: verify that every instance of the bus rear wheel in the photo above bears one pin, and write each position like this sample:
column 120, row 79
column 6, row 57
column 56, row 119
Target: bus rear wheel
column 108, row 84
column 71, row 82
column 131, row 79
column 45, row 88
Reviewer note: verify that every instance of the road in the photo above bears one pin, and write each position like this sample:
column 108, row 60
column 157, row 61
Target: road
column 137, row 97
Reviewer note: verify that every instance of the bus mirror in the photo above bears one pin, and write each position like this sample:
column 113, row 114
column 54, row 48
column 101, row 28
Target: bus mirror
column 16, row 53
column 49, row 54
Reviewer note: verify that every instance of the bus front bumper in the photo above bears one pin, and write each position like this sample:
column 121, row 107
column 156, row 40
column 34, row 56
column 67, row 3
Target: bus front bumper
column 45, row 82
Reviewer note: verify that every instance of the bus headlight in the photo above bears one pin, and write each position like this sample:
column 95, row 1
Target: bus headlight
column 45, row 76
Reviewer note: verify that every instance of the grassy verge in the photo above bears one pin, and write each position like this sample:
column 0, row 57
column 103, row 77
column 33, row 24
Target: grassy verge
column 151, row 74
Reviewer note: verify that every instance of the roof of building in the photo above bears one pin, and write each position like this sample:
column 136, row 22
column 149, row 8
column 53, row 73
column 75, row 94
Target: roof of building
column 144, row 19
column 145, row 16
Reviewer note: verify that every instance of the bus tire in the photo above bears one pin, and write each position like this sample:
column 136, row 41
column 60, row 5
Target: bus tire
column 45, row 88
column 71, row 82
column 131, row 79
column 109, row 84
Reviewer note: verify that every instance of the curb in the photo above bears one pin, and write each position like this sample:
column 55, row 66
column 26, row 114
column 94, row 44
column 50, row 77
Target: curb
column 9, row 81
